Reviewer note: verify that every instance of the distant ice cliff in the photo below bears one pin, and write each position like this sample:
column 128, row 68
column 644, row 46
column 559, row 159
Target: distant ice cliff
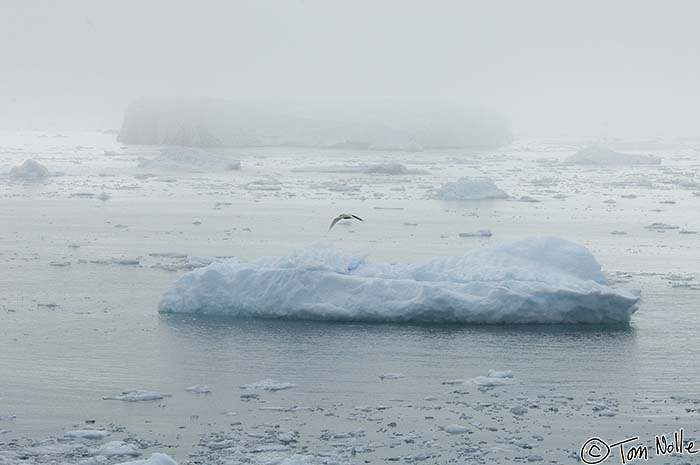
column 344, row 125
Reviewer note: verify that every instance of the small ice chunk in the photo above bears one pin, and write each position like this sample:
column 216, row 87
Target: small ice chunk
column 30, row 170
column 494, row 379
column 116, row 448
column 138, row 395
column 599, row 155
column 456, row 429
column 392, row 168
column 269, row 385
column 500, row 374
column 470, row 189
column 661, row 227
column 518, row 410
column 87, row 434
column 477, row 233
column 199, row 389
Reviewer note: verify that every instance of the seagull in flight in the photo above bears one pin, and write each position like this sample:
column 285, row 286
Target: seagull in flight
column 343, row 216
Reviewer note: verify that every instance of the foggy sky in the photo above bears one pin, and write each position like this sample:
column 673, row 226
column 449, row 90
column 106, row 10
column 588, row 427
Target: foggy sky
column 585, row 68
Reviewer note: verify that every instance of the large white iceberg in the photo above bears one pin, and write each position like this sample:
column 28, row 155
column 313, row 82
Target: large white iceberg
column 343, row 125
column 470, row 189
column 542, row 280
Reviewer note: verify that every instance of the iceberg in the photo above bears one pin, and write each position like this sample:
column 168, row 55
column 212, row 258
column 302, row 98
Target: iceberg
column 470, row 189
column 202, row 122
column 598, row 155
column 539, row 280
column 30, row 170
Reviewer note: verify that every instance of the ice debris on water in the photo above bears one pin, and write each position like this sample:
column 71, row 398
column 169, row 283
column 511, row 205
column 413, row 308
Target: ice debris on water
column 470, row 189
column 269, row 385
column 138, row 395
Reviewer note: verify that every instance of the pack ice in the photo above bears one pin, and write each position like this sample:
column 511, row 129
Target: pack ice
column 540, row 280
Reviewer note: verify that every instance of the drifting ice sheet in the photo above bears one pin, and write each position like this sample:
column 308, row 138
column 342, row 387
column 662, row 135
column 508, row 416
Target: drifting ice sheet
column 544, row 280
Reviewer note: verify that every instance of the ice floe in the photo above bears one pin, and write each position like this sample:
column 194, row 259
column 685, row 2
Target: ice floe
column 661, row 227
column 599, row 155
column 30, row 170
column 456, row 429
column 87, row 434
column 138, row 395
column 470, row 189
column 541, row 280
column 477, row 233
column 116, row 448
column 269, row 385
column 199, row 389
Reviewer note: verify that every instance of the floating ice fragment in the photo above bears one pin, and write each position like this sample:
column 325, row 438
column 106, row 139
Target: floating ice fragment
column 470, row 189
column 199, row 389
column 269, row 385
column 87, row 434
column 477, row 233
column 598, row 155
column 518, row 410
column 661, row 227
column 500, row 374
column 138, row 395
column 116, row 448
column 30, row 170
column 456, row 429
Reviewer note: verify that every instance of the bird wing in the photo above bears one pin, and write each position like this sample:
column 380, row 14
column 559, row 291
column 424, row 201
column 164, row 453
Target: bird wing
column 357, row 217
column 335, row 220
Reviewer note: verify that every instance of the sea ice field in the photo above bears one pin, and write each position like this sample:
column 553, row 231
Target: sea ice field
column 164, row 305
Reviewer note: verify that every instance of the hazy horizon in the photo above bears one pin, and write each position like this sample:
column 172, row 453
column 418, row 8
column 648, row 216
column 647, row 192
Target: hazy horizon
column 597, row 69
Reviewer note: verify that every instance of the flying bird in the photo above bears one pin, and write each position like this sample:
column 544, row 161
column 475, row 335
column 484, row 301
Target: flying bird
column 343, row 216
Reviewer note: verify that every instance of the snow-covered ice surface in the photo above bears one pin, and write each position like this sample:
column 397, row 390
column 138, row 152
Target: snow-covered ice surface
column 544, row 280
column 83, row 277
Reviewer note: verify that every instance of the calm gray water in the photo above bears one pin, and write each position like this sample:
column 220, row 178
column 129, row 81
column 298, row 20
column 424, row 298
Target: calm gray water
column 76, row 326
